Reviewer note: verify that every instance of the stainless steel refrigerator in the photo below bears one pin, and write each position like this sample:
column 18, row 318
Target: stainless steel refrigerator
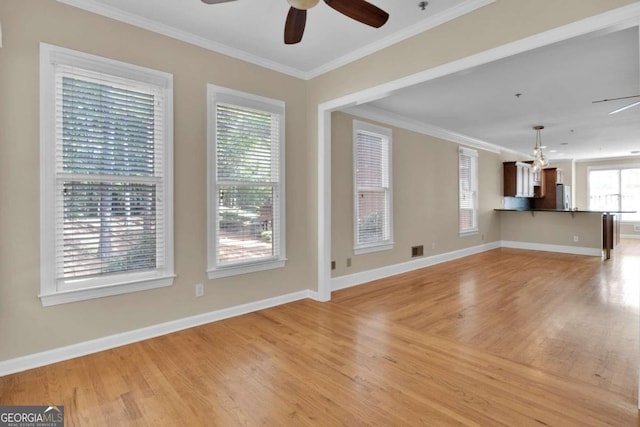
column 563, row 196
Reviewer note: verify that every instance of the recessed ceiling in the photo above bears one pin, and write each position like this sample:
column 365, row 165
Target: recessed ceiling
column 252, row 30
column 557, row 84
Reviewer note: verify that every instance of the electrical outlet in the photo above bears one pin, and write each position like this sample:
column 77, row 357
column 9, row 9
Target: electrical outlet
column 348, row 262
column 576, row 239
column 199, row 289
column 433, row 245
column 333, row 265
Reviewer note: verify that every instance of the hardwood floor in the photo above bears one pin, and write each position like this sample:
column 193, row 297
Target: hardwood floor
column 506, row 337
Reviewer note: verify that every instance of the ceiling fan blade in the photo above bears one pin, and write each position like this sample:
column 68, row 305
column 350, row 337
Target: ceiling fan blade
column 216, row 1
column 626, row 107
column 616, row 99
column 361, row 11
column 294, row 27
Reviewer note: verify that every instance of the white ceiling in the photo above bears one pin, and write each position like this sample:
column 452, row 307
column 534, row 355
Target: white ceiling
column 252, row 30
column 558, row 84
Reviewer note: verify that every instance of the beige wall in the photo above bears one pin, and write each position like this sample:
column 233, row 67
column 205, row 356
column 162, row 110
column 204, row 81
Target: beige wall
column 581, row 184
column 25, row 326
column 425, row 197
column 552, row 228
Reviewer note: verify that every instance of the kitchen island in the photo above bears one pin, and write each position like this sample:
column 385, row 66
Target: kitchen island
column 582, row 232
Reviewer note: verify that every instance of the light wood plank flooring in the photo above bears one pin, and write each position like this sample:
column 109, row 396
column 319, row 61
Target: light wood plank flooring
column 507, row 337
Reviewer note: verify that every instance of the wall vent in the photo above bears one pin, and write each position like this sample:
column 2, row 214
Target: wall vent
column 417, row 251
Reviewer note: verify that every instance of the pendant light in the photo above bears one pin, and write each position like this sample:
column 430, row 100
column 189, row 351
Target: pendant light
column 539, row 160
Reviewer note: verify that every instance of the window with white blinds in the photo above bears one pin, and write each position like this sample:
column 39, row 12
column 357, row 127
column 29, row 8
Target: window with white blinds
column 106, row 176
column 468, row 190
column 373, row 224
column 246, row 183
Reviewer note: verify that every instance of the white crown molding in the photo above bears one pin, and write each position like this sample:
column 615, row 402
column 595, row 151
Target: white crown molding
column 48, row 357
column 410, row 31
column 606, row 159
column 169, row 31
column 393, row 119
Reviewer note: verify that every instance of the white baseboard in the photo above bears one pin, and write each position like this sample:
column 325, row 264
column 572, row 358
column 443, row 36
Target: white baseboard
column 630, row 236
column 575, row 250
column 355, row 279
column 31, row 361
column 48, row 357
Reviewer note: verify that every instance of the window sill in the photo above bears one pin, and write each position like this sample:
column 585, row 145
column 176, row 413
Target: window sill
column 468, row 233
column 73, row 295
column 359, row 250
column 234, row 270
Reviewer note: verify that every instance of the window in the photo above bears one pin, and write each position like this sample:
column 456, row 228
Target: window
column 106, row 177
column 373, row 224
column 616, row 189
column 468, row 191
column 246, row 183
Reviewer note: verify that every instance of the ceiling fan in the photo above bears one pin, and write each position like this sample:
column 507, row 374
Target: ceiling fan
column 360, row 10
column 626, row 107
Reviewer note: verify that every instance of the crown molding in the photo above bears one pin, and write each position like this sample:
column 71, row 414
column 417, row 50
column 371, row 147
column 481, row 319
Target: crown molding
column 410, row 31
column 187, row 37
column 169, row 31
column 606, row 159
column 393, row 119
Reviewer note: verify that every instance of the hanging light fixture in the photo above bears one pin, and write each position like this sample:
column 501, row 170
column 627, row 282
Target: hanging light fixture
column 539, row 160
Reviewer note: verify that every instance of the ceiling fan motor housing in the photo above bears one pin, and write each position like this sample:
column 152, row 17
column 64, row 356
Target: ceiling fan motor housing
column 303, row 4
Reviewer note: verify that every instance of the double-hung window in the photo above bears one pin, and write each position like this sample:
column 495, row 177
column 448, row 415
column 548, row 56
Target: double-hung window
column 373, row 220
column 468, row 191
column 615, row 189
column 246, row 203
column 106, row 177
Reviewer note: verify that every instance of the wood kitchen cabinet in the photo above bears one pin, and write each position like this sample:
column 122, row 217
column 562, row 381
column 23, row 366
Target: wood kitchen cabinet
column 518, row 179
column 550, row 177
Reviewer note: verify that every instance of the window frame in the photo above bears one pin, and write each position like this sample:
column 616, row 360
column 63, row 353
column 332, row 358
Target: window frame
column 238, row 98
column 619, row 169
column 473, row 154
column 385, row 133
column 52, row 290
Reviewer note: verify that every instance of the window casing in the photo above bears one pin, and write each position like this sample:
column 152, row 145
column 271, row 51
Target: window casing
column 468, row 191
column 246, row 194
column 616, row 189
column 106, row 177
column 373, row 196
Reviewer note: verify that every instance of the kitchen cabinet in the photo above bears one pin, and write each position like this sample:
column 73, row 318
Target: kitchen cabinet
column 551, row 177
column 539, row 184
column 518, row 179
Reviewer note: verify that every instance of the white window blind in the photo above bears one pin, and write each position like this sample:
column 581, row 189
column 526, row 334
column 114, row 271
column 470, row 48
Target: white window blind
column 615, row 189
column 248, row 212
column 468, row 190
column 373, row 202
column 110, row 177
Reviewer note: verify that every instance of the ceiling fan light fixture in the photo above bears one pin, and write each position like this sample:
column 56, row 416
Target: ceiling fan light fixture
column 303, row 4
column 626, row 107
